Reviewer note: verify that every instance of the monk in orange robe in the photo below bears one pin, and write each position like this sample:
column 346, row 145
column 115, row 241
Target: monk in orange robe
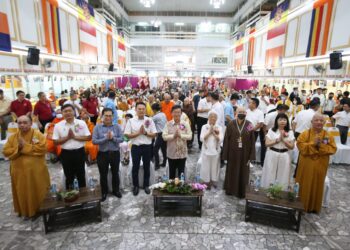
column 90, row 149
column 30, row 178
column 167, row 105
column 51, row 147
column 315, row 146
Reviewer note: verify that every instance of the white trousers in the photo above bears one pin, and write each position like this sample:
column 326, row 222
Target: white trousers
column 210, row 168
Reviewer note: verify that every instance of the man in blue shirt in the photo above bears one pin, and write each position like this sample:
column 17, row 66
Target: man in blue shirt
column 108, row 136
column 230, row 108
column 111, row 105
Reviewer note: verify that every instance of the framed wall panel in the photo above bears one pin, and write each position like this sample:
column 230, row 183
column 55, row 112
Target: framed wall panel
column 340, row 32
column 303, row 33
column 54, row 67
column 257, row 50
column 293, row 4
column 65, row 67
column 300, row 71
column 291, row 36
column 86, row 68
column 336, row 73
column 7, row 6
column 64, row 30
column 27, row 21
column 9, row 62
column 287, row 71
column 76, row 68
column 74, row 35
column 277, row 72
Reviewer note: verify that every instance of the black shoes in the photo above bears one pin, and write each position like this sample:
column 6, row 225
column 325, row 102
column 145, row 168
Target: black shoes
column 135, row 191
column 147, row 191
column 117, row 194
column 104, row 197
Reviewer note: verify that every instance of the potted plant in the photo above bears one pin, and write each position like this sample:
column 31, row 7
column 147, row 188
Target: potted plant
column 275, row 191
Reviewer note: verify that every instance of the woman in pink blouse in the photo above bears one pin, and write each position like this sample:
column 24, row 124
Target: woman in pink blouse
column 176, row 133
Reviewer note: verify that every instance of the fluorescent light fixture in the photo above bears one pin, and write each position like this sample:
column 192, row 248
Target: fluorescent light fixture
column 179, row 24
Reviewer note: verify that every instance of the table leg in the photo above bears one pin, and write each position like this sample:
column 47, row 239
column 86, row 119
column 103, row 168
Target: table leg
column 46, row 228
column 298, row 221
column 99, row 212
column 246, row 211
column 200, row 206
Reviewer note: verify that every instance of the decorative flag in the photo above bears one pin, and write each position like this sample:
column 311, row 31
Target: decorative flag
column 51, row 23
column 319, row 28
column 109, row 41
column 251, row 45
column 88, row 40
column 239, row 51
column 5, row 38
column 121, row 50
column 276, row 35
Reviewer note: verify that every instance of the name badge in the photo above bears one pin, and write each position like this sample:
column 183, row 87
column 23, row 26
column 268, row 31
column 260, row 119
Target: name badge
column 240, row 145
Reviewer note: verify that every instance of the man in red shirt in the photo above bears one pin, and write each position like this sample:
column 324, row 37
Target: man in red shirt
column 43, row 110
column 21, row 106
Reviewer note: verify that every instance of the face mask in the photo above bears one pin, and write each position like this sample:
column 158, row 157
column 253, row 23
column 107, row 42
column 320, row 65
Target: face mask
column 59, row 116
column 330, row 97
column 241, row 116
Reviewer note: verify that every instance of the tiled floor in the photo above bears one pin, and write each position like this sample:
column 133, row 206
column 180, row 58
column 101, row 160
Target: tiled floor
column 128, row 223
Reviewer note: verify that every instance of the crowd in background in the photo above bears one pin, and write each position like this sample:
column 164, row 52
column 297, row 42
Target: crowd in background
column 91, row 125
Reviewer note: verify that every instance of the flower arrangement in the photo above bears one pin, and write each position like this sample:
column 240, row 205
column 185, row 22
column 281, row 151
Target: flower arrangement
column 182, row 126
column 250, row 127
column 178, row 187
column 147, row 123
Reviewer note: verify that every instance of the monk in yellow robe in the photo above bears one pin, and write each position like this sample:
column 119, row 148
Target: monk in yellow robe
column 90, row 149
column 29, row 175
column 315, row 146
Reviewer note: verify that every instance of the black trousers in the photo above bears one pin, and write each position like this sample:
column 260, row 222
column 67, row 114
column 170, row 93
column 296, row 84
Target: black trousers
column 43, row 123
column 159, row 144
column 73, row 163
column 138, row 152
column 104, row 160
column 94, row 119
column 343, row 131
column 200, row 123
column 329, row 113
column 176, row 164
column 262, row 143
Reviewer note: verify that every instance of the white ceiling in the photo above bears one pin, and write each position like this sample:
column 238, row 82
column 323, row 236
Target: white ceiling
column 181, row 5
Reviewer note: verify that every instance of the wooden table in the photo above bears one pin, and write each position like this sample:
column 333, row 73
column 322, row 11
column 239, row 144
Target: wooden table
column 58, row 212
column 278, row 211
column 166, row 204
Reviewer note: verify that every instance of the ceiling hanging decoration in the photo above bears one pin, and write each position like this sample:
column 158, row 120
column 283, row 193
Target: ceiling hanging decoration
column 147, row 3
column 217, row 3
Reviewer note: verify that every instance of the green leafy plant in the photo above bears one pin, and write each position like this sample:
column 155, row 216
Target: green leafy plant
column 291, row 196
column 275, row 191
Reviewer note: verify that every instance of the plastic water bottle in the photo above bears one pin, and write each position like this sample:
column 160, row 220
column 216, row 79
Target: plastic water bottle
column 53, row 191
column 182, row 177
column 91, row 184
column 165, row 178
column 257, row 184
column 76, row 184
column 197, row 178
column 296, row 190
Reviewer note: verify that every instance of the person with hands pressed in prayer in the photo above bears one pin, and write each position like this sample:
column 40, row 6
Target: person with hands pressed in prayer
column 72, row 134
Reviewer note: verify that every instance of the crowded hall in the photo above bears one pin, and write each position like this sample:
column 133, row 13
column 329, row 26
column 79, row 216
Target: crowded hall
column 174, row 124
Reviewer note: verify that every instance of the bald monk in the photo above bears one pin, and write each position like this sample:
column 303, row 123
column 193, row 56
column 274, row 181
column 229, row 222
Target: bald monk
column 315, row 146
column 29, row 175
column 90, row 149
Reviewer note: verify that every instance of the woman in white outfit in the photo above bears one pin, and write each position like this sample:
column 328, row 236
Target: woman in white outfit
column 277, row 165
column 211, row 137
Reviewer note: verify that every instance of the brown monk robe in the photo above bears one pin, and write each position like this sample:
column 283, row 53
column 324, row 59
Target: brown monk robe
column 315, row 146
column 238, row 150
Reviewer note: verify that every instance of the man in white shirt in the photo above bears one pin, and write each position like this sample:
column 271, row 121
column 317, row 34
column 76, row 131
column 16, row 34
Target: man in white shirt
column 343, row 122
column 256, row 117
column 140, row 130
column 204, row 106
column 72, row 134
column 74, row 101
column 320, row 96
column 329, row 105
column 218, row 108
column 264, row 102
column 303, row 119
column 270, row 118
